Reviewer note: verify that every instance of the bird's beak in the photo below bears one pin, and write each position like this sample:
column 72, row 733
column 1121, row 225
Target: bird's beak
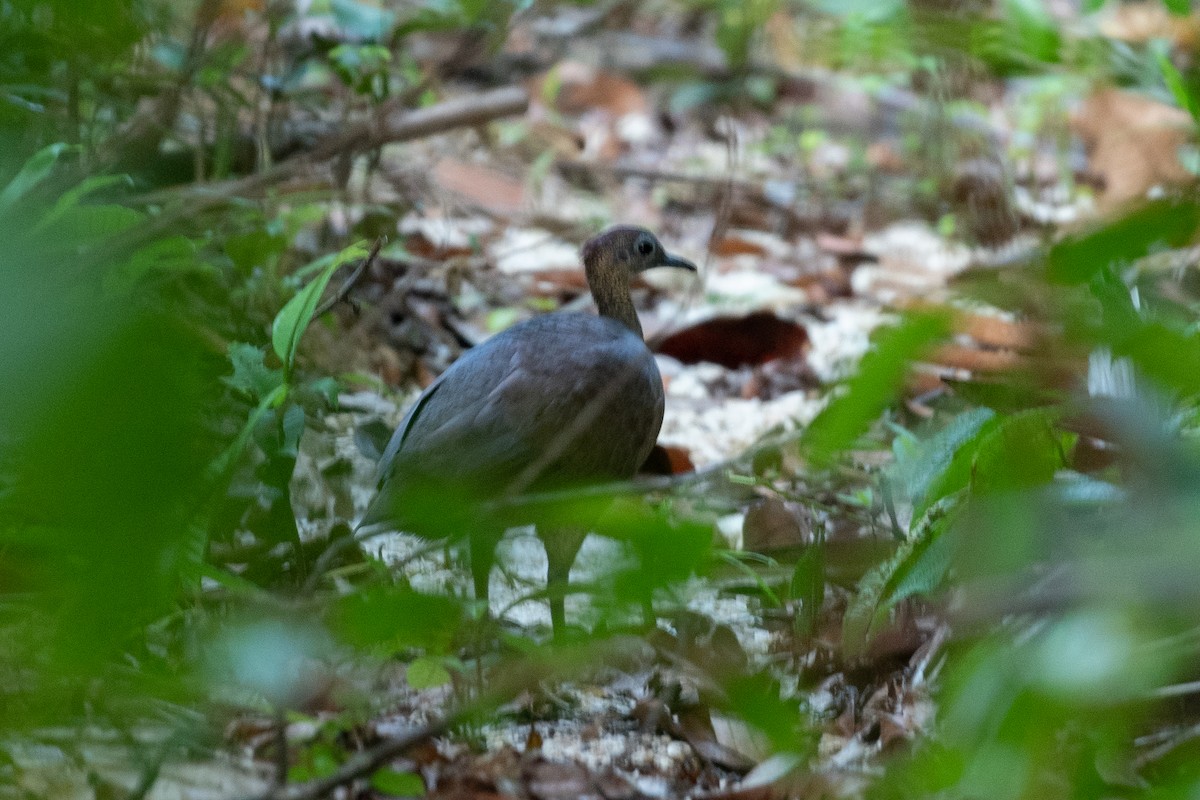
column 676, row 261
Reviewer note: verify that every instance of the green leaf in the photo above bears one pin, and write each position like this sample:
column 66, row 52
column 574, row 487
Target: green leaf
column 1168, row 356
column 391, row 618
column 1175, row 82
column 318, row 761
column 426, row 673
column 34, row 171
column 363, row 20
column 73, row 197
column 254, row 249
column 929, row 464
column 1160, row 223
column 923, row 571
column 222, row 466
column 879, row 379
column 808, row 586
column 1019, row 452
column 250, row 374
column 917, row 567
column 87, row 225
column 294, row 318
column 398, row 784
column 176, row 254
column 1031, row 28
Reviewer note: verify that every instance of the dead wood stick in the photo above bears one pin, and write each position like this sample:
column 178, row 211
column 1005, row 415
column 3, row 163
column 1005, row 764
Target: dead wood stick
column 503, row 686
column 403, row 124
column 359, row 766
column 395, row 125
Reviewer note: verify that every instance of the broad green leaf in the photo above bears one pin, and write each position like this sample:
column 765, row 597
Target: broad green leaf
column 808, row 586
column 222, row 466
column 1019, row 452
column 294, row 318
column 176, row 254
column 927, row 465
column 426, row 673
column 255, row 248
column 34, row 171
column 1159, row 223
column 72, row 198
column 87, row 225
column 923, row 571
column 1169, row 357
column 398, row 784
column 250, row 375
column 1032, row 28
column 917, row 567
column 667, row 550
column 878, row 381
column 363, row 20
column 392, row 618
column 320, row 760
column 1175, row 82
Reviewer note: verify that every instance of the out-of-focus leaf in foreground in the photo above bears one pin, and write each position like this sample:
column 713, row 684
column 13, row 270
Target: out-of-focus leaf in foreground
column 876, row 383
column 104, row 442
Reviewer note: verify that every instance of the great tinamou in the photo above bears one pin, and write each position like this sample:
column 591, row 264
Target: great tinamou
column 558, row 402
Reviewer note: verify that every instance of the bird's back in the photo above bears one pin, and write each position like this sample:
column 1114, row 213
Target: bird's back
column 558, row 401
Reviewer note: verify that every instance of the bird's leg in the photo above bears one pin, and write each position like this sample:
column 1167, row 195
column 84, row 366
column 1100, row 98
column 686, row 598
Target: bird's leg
column 562, row 545
column 648, row 617
column 483, row 556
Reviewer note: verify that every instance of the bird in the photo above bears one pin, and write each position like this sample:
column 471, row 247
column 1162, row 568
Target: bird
column 561, row 401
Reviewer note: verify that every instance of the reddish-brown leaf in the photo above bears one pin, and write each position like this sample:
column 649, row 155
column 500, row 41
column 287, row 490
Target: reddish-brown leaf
column 737, row 341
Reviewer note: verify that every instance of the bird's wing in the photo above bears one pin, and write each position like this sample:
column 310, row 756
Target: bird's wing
column 538, row 406
column 401, row 433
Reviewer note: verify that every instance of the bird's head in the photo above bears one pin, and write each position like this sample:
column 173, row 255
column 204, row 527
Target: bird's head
column 628, row 248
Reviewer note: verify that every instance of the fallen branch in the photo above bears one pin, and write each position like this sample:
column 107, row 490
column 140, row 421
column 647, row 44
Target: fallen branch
column 359, row 766
column 504, row 685
column 404, row 124
column 392, row 125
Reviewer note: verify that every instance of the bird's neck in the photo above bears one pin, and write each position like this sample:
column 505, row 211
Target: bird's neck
column 610, row 290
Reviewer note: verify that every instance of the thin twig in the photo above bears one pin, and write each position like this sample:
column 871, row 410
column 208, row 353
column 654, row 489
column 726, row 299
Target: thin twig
column 394, row 125
column 348, row 284
column 503, row 686
column 359, row 766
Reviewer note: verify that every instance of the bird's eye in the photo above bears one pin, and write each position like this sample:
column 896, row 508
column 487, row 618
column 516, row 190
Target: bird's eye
column 645, row 247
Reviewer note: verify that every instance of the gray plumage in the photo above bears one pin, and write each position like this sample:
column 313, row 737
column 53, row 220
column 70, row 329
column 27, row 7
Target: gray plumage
column 560, row 401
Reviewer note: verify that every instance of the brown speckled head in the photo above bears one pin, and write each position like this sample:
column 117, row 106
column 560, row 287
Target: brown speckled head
column 611, row 258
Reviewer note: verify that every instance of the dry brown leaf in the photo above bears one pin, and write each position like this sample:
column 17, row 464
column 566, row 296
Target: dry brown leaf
column 584, row 88
column 1141, row 22
column 884, row 157
column 387, row 364
column 549, row 780
column 992, row 331
column 737, row 341
column 772, row 524
column 734, row 245
column 483, row 186
column 559, row 283
column 667, row 460
column 1133, row 143
column 421, row 245
column 974, row 359
column 546, row 135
